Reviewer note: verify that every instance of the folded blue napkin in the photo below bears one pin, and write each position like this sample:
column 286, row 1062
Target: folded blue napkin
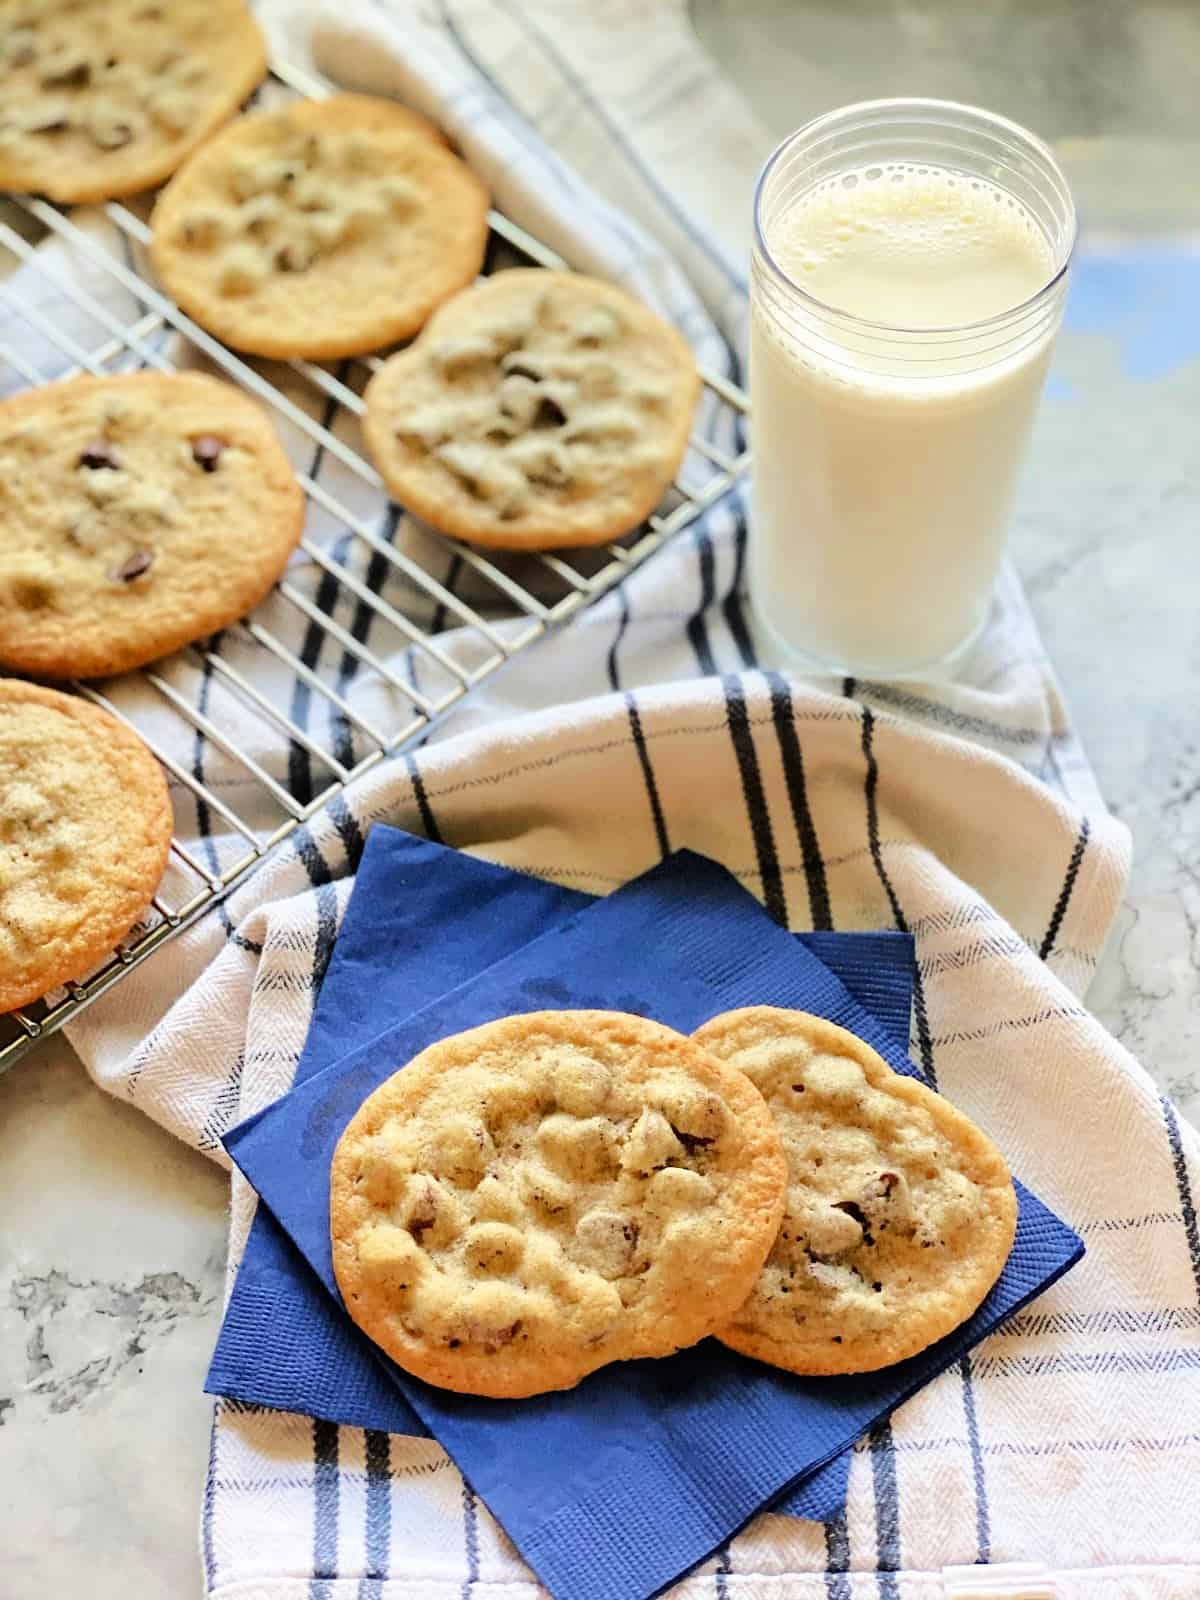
column 599, row 1506
column 283, row 1342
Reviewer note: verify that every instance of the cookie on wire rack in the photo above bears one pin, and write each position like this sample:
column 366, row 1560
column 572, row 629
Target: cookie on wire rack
column 85, row 827
column 534, row 1198
column 321, row 229
column 900, row 1212
column 102, row 98
column 537, row 410
column 137, row 512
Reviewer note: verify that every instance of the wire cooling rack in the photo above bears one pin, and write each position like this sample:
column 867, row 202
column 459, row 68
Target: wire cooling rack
column 279, row 774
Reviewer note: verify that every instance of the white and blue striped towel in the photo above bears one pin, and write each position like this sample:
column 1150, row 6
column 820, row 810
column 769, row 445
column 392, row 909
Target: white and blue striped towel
column 1066, row 1450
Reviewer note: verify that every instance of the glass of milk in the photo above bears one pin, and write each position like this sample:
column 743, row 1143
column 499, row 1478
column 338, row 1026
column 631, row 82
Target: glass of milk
column 909, row 269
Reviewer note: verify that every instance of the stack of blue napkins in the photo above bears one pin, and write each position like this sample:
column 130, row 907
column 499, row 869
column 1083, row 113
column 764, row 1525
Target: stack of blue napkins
column 612, row 1490
column 284, row 1342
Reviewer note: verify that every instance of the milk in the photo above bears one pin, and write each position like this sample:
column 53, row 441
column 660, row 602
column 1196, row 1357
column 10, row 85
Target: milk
column 885, row 462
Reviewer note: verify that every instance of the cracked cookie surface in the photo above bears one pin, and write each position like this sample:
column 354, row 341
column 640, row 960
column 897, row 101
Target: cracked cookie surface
column 137, row 513
column 326, row 228
column 101, row 98
column 537, row 1197
column 537, row 410
column 900, row 1212
column 85, row 825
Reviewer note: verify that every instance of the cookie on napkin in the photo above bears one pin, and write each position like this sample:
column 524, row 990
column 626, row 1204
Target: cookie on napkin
column 101, row 98
column 326, row 228
column 137, row 513
column 658, row 1461
column 900, row 1212
column 537, row 410
column 537, row 1197
column 85, row 826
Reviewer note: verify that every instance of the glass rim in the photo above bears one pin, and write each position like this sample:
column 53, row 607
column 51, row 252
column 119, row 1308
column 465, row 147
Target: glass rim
column 995, row 120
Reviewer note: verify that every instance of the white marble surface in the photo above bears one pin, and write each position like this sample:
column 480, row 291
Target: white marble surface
column 112, row 1245
column 1106, row 540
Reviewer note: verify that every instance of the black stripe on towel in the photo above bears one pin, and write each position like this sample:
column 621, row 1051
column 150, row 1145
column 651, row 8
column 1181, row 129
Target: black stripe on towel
column 837, row 1558
column 378, row 569
column 207, row 1547
column 756, row 798
column 203, row 813
column 1187, row 1203
column 327, row 926
column 1064, row 894
column 697, row 626
column 441, row 614
column 470, row 1538
column 300, row 784
column 887, row 1510
column 221, row 1111
column 321, row 878
column 348, row 831
column 735, row 617
column 724, row 1568
column 311, row 859
column 378, row 1515
column 614, row 676
column 325, row 1508
column 871, row 786
column 983, row 1519
column 643, row 755
column 428, row 820
column 793, row 772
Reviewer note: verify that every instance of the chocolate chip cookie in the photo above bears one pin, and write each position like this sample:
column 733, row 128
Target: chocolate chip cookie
column 538, row 409
column 100, row 98
column 900, row 1213
column 85, row 824
column 137, row 513
column 326, row 228
column 530, row 1200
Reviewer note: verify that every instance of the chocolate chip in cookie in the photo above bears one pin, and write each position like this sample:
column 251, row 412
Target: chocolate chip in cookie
column 207, row 451
column 134, row 566
column 99, row 454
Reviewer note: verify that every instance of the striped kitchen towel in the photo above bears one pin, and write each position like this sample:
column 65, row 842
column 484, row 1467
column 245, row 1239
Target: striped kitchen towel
column 965, row 814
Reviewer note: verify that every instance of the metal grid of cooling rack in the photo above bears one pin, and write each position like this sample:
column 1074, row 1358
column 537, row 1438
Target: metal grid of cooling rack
column 261, row 743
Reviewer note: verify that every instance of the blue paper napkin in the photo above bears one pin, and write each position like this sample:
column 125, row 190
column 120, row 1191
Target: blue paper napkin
column 681, row 943
column 283, row 1342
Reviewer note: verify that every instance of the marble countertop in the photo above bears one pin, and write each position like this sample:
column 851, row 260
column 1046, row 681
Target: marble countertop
column 110, row 1288
column 114, row 1235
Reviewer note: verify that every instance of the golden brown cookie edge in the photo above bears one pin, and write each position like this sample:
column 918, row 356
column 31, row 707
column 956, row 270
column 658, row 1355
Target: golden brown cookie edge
column 314, row 347
column 868, row 1355
column 223, row 107
column 545, row 533
column 115, row 656
column 498, row 1376
column 140, row 769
